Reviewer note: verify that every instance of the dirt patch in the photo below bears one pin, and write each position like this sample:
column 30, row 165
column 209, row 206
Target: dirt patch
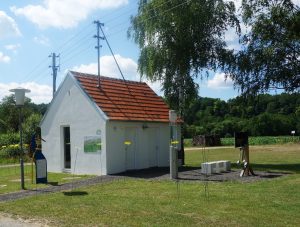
column 7, row 220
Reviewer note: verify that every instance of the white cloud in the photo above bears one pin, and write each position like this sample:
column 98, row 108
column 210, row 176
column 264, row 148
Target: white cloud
column 38, row 93
column 8, row 26
column 4, row 58
column 43, row 40
column 296, row 2
column 109, row 68
column 219, row 82
column 13, row 47
column 64, row 13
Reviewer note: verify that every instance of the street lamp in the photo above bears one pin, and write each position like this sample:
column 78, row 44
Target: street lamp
column 20, row 98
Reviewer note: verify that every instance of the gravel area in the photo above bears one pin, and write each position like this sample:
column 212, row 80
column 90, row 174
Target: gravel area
column 58, row 188
column 194, row 174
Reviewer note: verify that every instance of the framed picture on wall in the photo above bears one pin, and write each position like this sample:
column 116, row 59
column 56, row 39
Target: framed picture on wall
column 92, row 144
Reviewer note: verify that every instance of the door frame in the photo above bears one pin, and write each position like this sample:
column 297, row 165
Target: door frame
column 63, row 147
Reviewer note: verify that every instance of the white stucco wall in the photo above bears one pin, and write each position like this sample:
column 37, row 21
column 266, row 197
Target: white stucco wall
column 72, row 108
column 154, row 138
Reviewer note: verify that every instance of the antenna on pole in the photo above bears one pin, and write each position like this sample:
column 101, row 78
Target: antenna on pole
column 98, row 24
column 54, row 70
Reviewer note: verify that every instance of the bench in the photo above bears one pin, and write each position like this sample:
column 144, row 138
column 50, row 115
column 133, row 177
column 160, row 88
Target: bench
column 215, row 167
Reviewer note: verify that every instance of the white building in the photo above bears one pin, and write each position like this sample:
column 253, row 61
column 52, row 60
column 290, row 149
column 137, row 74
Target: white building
column 119, row 126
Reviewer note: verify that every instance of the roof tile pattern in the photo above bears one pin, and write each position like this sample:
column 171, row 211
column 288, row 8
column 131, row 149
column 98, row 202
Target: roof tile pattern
column 124, row 100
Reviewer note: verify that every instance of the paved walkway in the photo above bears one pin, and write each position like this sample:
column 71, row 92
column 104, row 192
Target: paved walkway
column 208, row 148
column 13, row 165
column 57, row 188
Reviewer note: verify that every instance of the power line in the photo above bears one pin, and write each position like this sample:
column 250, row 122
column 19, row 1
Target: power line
column 111, row 51
column 73, row 53
column 74, row 47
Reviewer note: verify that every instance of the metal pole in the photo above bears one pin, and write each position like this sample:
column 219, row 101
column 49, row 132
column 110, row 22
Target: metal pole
column 98, row 46
column 21, row 146
column 173, row 156
column 54, row 69
column 98, row 51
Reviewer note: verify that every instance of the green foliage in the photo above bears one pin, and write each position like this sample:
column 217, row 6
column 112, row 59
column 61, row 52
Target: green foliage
column 264, row 115
column 264, row 140
column 30, row 125
column 9, row 114
column 9, row 139
column 11, row 151
column 180, row 41
column 270, row 55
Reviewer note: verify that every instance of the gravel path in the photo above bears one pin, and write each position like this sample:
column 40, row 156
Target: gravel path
column 58, row 188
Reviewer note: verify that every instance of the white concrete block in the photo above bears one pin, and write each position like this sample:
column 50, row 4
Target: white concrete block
column 215, row 167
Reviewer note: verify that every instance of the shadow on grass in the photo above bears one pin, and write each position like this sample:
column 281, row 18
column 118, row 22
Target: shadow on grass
column 75, row 193
column 145, row 173
column 53, row 183
column 294, row 168
column 277, row 167
column 154, row 172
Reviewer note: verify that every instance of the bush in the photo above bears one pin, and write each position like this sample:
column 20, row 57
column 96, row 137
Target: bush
column 188, row 143
column 8, row 139
column 11, row 153
column 30, row 125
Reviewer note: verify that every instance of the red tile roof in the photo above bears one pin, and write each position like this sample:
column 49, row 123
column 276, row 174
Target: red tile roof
column 124, row 100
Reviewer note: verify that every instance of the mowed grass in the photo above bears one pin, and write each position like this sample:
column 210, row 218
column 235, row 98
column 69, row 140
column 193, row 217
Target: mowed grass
column 273, row 202
column 10, row 179
column 269, row 157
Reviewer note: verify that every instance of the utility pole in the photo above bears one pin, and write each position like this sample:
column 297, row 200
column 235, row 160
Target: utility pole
column 54, row 70
column 98, row 24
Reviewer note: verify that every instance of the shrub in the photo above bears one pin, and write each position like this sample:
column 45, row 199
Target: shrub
column 9, row 138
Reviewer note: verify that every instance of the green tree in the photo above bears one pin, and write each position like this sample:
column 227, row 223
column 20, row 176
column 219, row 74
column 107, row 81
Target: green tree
column 9, row 113
column 270, row 55
column 30, row 125
column 179, row 40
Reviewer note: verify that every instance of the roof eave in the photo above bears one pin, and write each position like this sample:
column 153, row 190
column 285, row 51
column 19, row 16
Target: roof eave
column 101, row 113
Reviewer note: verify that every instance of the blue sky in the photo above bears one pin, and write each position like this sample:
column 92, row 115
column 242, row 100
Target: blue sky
column 31, row 30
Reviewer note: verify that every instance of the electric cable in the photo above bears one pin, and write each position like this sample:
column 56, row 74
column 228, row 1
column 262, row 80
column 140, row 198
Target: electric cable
column 68, row 42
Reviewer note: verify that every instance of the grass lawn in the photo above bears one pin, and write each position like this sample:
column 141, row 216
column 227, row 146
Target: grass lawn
column 273, row 202
column 10, row 178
